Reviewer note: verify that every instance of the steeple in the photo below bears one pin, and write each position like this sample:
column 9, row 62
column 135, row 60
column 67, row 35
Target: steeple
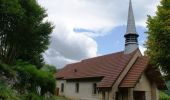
column 131, row 42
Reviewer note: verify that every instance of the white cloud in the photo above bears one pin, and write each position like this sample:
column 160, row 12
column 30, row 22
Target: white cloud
column 142, row 49
column 52, row 57
column 97, row 15
column 73, row 45
column 67, row 46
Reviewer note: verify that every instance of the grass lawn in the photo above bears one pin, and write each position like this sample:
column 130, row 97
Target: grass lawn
column 60, row 98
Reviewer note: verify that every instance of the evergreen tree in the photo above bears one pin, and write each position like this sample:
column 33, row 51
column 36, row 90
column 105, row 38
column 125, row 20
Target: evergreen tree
column 158, row 43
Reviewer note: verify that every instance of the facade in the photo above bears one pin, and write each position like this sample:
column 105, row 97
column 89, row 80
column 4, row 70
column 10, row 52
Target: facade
column 124, row 75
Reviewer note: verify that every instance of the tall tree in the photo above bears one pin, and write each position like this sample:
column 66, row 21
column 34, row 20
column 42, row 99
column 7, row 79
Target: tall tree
column 158, row 43
column 24, row 33
column 10, row 12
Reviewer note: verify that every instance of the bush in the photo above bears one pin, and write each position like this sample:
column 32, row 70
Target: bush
column 163, row 96
column 31, row 78
column 25, row 82
column 6, row 93
column 31, row 96
column 6, row 70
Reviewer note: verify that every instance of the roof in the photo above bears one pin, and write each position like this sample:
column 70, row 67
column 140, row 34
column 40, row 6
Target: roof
column 142, row 66
column 109, row 67
column 135, row 72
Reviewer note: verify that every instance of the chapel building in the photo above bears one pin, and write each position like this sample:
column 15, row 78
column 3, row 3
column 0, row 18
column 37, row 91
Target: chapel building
column 124, row 75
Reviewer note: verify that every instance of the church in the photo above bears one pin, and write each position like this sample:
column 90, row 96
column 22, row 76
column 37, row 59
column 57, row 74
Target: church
column 124, row 75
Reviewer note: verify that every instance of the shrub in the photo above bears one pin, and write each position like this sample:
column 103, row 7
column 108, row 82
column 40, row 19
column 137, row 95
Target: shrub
column 6, row 93
column 31, row 78
column 163, row 96
column 31, row 96
column 25, row 82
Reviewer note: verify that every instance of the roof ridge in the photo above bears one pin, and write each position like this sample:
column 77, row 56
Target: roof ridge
column 101, row 56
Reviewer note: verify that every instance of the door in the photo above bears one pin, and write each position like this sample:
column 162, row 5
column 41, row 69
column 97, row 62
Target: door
column 139, row 95
column 57, row 91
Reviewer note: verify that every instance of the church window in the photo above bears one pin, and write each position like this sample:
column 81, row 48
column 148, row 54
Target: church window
column 94, row 88
column 62, row 87
column 77, row 88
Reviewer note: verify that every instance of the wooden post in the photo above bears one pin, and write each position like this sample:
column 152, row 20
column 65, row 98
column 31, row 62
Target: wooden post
column 154, row 92
column 130, row 94
column 103, row 95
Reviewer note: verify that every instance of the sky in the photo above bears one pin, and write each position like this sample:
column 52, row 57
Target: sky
column 89, row 28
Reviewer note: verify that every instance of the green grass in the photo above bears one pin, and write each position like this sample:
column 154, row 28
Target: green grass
column 61, row 98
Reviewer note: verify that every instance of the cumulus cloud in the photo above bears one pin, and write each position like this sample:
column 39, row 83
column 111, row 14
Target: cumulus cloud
column 67, row 46
column 98, row 16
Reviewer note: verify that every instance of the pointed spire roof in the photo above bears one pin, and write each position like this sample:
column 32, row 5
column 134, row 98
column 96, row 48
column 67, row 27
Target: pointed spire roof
column 131, row 28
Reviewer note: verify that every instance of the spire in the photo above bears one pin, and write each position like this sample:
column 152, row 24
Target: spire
column 131, row 36
column 131, row 28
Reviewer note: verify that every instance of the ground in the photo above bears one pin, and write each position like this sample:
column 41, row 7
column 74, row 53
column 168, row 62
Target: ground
column 61, row 98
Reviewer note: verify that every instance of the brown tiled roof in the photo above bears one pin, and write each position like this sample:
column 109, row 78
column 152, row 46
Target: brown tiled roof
column 142, row 65
column 135, row 72
column 109, row 67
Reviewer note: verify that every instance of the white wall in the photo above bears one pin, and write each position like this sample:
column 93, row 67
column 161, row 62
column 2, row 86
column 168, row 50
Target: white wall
column 59, row 82
column 144, row 85
column 85, row 90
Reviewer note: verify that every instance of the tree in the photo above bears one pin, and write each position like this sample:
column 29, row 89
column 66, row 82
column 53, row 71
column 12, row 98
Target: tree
column 10, row 12
column 49, row 68
column 23, row 32
column 158, row 42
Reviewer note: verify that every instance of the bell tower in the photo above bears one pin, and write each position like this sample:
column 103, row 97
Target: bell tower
column 131, row 36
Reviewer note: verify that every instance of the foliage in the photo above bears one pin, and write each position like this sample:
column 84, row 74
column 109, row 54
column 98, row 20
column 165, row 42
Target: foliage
column 49, row 68
column 158, row 42
column 30, row 79
column 163, row 96
column 32, row 96
column 168, row 86
column 6, row 93
column 23, row 32
column 6, row 70
column 29, row 82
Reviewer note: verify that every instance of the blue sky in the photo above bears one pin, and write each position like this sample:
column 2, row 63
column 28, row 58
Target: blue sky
column 114, row 40
column 89, row 28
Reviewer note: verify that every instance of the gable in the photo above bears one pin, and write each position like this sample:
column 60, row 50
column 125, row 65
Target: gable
column 134, row 74
column 142, row 67
column 143, row 84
